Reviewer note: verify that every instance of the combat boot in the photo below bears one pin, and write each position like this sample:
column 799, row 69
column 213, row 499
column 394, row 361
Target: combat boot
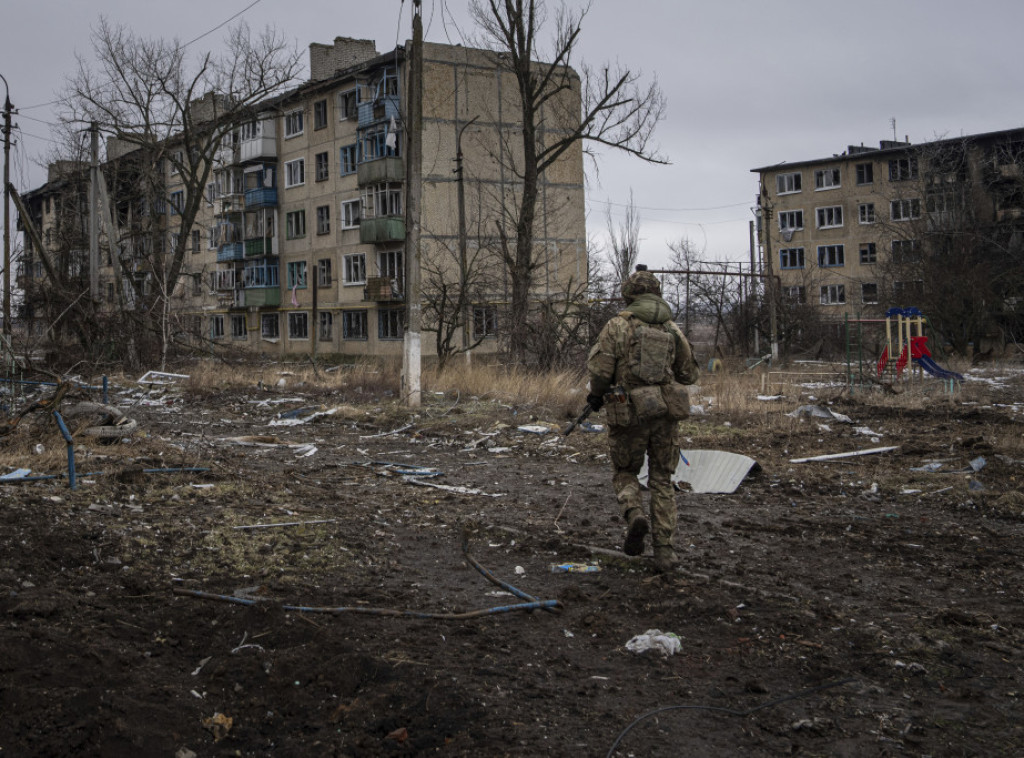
column 665, row 558
column 637, row 528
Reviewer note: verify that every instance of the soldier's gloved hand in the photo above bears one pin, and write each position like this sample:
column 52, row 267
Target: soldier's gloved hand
column 596, row 402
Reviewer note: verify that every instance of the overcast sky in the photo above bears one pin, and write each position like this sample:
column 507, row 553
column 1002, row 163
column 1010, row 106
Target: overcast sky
column 748, row 84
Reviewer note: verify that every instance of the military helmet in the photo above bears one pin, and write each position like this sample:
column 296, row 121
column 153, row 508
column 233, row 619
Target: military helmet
column 640, row 283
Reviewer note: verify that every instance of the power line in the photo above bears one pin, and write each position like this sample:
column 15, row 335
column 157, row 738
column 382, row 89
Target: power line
column 223, row 23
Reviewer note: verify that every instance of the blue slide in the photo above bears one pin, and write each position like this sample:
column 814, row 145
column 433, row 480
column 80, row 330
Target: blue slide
column 928, row 364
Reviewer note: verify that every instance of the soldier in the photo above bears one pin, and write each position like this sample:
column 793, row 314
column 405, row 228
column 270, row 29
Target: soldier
column 637, row 371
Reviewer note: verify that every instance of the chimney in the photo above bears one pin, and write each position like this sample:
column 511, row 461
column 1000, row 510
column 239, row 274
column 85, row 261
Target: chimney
column 327, row 60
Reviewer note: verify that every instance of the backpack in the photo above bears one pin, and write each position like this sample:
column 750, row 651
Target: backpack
column 650, row 355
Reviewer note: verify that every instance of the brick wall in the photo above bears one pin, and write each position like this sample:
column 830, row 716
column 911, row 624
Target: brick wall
column 326, row 60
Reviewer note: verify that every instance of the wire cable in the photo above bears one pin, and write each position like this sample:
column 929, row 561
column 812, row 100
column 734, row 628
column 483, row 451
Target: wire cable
column 730, row 711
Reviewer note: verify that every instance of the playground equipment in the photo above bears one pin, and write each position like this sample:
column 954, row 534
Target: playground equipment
column 905, row 345
column 910, row 344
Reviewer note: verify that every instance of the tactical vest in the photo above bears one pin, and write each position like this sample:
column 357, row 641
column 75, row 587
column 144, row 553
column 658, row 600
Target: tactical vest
column 651, row 352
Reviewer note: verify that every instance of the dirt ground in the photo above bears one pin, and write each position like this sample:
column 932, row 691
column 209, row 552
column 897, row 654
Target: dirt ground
column 852, row 607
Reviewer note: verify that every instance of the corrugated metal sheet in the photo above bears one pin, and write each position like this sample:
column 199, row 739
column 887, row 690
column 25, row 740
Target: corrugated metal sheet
column 715, row 471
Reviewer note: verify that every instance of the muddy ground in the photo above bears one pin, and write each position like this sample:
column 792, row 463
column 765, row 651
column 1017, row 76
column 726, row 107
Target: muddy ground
column 845, row 608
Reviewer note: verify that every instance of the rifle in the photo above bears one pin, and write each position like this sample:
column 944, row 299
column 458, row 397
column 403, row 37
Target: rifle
column 587, row 410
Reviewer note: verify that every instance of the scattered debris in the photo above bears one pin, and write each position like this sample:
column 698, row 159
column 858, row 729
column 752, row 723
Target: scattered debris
column 708, row 471
column 160, row 378
column 287, row 523
column 219, row 725
column 110, row 422
column 816, row 411
column 534, row 429
column 851, row 454
column 666, row 643
column 574, row 568
column 452, row 488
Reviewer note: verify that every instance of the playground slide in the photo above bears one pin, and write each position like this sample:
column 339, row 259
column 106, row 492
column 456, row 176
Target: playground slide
column 927, row 363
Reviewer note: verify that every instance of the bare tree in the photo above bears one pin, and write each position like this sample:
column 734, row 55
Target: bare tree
column 618, row 112
column 172, row 114
column 624, row 241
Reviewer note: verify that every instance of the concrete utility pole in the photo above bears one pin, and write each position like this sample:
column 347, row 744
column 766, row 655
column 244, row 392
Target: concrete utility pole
column 412, row 354
column 7, row 208
column 463, row 273
column 94, row 214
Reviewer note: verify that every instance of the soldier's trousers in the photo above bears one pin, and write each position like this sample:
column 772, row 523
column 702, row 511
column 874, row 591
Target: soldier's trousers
column 628, row 444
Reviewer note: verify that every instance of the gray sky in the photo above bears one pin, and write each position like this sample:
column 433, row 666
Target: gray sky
column 748, row 84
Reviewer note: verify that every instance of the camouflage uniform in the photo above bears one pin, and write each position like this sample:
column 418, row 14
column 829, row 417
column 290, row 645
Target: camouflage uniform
column 629, row 439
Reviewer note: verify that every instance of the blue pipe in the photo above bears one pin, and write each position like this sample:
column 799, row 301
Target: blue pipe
column 71, row 449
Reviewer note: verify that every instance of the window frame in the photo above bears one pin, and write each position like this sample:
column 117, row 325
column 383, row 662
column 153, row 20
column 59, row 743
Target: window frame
column 298, row 325
column 795, row 215
column 294, row 123
column 319, row 114
column 351, row 220
column 833, row 294
column 292, row 221
column 349, row 264
column 829, row 217
column 485, row 321
column 827, row 178
column 903, row 169
column 324, row 273
column 217, row 326
column 866, row 213
column 791, row 258
column 348, row 110
column 358, row 318
column 323, row 219
column 348, row 160
column 905, row 209
column 865, row 173
column 864, row 293
column 322, row 166
column 296, row 273
column 868, row 253
column 291, row 168
column 325, row 327
column 789, row 183
column 831, row 256
column 390, row 324
column 236, row 333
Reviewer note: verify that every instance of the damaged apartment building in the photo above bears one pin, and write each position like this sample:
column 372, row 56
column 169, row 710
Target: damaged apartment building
column 299, row 244
column 937, row 225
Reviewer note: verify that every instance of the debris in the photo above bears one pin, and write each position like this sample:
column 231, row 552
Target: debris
column 851, row 454
column 301, row 415
column 385, row 434
column 816, row 411
column 110, row 423
column 534, row 429
column 865, row 430
column 20, row 473
column 714, row 471
column 666, row 643
column 399, row 735
column 287, row 523
column 185, row 753
column 219, row 725
column 520, row 571
column 928, row 468
column 451, row 488
column 160, row 377
column 574, row 568
column 978, row 463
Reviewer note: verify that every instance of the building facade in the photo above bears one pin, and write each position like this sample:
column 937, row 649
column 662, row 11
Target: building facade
column 900, row 225
column 299, row 245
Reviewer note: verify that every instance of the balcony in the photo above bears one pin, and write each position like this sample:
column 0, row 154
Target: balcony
column 380, row 109
column 383, row 229
column 264, row 146
column 259, row 297
column 261, row 197
column 233, row 251
column 389, row 169
column 260, row 247
column 383, row 289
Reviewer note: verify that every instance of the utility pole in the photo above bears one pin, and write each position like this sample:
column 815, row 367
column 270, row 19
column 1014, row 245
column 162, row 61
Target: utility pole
column 766, row 231
column 463, row 273
column 7, row 209
column 412, row 354
column 94, row 215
